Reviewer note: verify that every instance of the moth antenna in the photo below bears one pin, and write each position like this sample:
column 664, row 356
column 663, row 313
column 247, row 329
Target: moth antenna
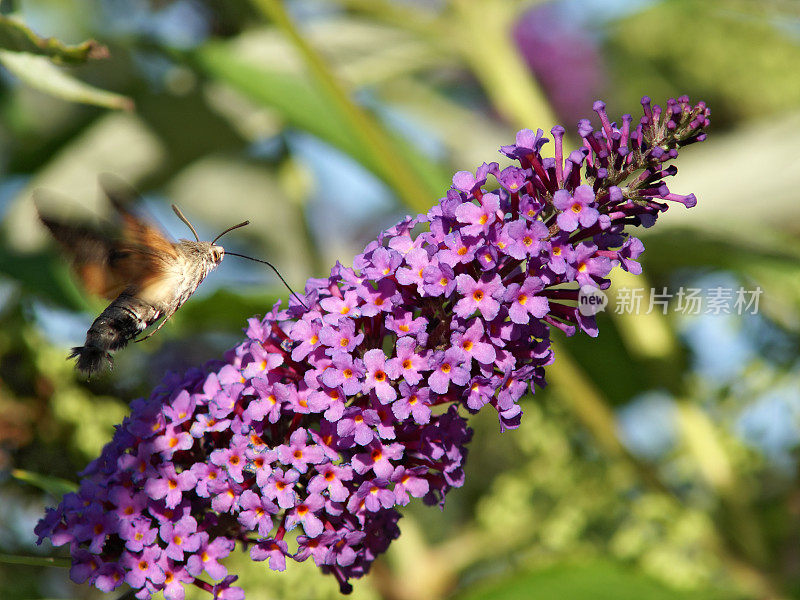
column 185, row 220
column 242, row 224
column 271, row 266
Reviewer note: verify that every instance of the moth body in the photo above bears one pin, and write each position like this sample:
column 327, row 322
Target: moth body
column 146, row 276
column 136, row 309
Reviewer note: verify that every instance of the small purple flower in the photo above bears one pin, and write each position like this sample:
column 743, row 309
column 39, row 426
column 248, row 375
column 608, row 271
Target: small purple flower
column 208, row 477
column 524, row 301
column 342, row 551
column 457, row 250
column 208, row 556
column 478, row 217
column 109, row 577
column 225, row 591
column 316, row 547
column 340, row 338
column 259, row 361
column 255, row 512
column 472, row 343
column 298, row 453
column 232, row 458
column 449, row 369
column 85, row 566
column 307, row 333
column 383, row 263
column 403, row 323
column 408, row 362
column 180, row 537
column 274, row 550
column 576, row 208
column 409, row 482
column 304, row 513
column 372, row 496
column 479, row 393
column 344, row 371
column 172, row 440
column 380, row 372
column 379, row 300
column 180, row 409
column 481, row 295
column 170, row 485
column 281, row 487
column 378, row 459
column 175, row 575
column 413, row 401
column 439, row 280
column 142, row 566
column 416, row 260
column 138, row 533
column 265, row 404
column 337, row 307
column 331, row 477
column 512, row 178
column 590, row 267
column 356, row 423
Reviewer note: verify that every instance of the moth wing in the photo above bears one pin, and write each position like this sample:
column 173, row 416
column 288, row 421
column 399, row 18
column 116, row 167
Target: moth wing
column 107, row 261
column 136, row 232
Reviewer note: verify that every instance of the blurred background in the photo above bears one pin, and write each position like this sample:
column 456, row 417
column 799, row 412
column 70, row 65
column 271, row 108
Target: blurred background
column 661, row 462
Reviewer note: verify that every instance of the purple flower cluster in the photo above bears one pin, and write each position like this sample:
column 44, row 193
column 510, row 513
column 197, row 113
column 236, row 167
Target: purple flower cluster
column 333, row 413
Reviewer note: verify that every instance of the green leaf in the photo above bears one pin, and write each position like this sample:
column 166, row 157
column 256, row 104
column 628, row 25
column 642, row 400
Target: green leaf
column 52, row 485
column 594, row 581
column 38, row 72
column 224, row 310
column 42, row 275
column 18, row 37
column 302, row 104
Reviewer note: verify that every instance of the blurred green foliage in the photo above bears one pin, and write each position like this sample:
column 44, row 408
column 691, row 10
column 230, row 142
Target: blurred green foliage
column 662, row 460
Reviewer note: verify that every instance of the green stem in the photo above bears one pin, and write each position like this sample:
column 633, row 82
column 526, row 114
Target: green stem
column 34, row 561
column 394, row 169
column 485, row 41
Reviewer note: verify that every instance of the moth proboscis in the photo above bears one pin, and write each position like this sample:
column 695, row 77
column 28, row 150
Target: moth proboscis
column 146, row 276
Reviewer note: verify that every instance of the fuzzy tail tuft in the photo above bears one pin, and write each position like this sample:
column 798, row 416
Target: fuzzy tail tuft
column 91, row 359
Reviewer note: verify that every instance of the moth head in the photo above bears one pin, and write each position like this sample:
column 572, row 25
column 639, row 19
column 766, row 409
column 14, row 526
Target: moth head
column 216, row 252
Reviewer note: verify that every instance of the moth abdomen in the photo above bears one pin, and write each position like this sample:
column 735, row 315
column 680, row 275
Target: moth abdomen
column 118, row 324
column 90, row 359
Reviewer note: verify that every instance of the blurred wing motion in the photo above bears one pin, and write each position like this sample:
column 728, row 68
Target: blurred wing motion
column 134, row 265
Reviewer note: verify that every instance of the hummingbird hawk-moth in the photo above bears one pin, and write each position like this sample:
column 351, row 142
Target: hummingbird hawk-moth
column 146, row 276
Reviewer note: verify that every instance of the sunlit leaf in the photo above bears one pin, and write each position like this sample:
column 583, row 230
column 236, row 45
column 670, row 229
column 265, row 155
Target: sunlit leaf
column 737, row 56
column 18, row 37
column 52, row 485
column 38, row 72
